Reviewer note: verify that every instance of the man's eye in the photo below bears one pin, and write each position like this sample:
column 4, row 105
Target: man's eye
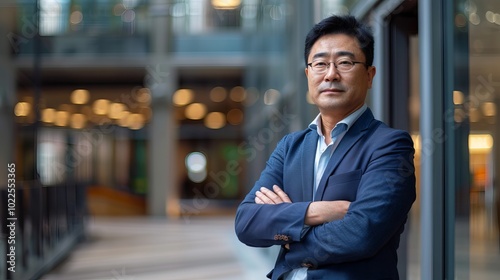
column 344, row 62
column 320, row 64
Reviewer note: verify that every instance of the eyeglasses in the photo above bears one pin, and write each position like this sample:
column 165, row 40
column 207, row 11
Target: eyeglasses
column 343, row 65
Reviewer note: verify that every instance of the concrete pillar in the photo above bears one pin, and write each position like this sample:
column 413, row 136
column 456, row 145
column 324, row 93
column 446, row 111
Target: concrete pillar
column 162, row 198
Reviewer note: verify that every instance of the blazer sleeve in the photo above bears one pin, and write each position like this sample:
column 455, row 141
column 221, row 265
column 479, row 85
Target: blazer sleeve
column 385, row 195
column 264, row 225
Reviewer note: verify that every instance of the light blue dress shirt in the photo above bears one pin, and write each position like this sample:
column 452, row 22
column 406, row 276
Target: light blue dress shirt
column 323, row 153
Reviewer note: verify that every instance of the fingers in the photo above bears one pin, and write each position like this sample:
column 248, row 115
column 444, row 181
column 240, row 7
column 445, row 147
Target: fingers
column 266, row 196
column 283, row 196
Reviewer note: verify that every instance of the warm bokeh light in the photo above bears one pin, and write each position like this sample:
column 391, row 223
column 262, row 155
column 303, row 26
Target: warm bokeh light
column 48, row 115
column 135, row 121
column 237, row 94
column 458, row 97
column 62, row 118
column 22, row 109
column 116, row 110
column 215, row 120
column 80, row 96
column 235, row 116
column 182, row 97
column 101, row 106
column 480, row 142
column 196, row 111
column 123, row 121
column 489, row 109
column 218, row 94
column 143, row 96
column 226, row 4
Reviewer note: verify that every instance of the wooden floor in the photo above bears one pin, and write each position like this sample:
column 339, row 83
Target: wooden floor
column 122, row 248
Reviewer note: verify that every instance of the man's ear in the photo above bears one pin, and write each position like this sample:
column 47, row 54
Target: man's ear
column 371, row 71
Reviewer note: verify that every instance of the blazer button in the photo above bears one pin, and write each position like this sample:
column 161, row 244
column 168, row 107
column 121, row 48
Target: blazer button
column 276, row 237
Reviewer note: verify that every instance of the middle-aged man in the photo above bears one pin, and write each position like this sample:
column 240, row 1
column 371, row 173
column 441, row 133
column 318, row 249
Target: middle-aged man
column 336, row 195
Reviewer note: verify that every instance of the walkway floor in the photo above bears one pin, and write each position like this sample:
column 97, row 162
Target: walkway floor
column 149, row 249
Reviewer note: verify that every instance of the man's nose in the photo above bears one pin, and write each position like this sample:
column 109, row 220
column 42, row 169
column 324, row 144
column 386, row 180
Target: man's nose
column 332, row 73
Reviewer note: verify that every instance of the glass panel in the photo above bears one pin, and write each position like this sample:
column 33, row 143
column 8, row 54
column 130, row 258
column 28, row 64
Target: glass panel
column 483, row 19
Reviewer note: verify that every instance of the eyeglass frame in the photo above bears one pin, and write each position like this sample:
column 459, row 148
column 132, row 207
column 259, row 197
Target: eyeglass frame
column 335, row 65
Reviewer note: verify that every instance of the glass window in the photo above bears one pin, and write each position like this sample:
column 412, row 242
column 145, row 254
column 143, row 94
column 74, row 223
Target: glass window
column 479, row 106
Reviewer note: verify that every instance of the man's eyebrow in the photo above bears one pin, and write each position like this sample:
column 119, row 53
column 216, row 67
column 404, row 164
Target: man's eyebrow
column 340, row 53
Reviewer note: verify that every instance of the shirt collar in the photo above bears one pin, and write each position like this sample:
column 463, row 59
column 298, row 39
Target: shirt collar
column 349, row 120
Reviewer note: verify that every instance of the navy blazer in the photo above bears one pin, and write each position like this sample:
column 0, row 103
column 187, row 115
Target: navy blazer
column 372, row 167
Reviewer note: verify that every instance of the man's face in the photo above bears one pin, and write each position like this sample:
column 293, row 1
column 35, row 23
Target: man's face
column 336, row 92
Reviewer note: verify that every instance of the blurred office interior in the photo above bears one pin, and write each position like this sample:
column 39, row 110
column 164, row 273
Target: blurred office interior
column 170, row 108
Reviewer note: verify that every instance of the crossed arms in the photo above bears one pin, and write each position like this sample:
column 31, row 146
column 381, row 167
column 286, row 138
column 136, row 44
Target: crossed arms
column 318, row 212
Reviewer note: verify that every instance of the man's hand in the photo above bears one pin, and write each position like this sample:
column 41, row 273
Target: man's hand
column 275, row 196
column 320, row 212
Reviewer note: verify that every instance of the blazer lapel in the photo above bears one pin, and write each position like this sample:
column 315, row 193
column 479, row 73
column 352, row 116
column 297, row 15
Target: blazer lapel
column 308, row 155
column 358, row 129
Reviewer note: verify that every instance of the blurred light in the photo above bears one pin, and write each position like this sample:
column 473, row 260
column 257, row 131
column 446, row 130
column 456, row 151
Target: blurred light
column 76, row 17
column 218, row 94
column 460, row 20
column 78, row 121
column 22, row 109
column 215, row 120
column 62, row 118
column 196, row 164
column 182, row 97
column 144, row 96
column 490, row 16
column 123, row 121
column 48, row 115
column 235, row 116
column 458, row 97
column 489, row 109
column 237, row 94
column 271, row 96
column 135, row 121
column 80, row 96
column 118, row 9
column 128, row 16
column 116, row 110
column 474, row 19
column 226, row 4
column 101, row 106
column 196, row 111
column 480, row 142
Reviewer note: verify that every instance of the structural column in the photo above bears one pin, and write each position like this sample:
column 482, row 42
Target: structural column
column 163, row 133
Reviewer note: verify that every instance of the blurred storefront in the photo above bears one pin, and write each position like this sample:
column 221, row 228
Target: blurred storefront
column 171, row 108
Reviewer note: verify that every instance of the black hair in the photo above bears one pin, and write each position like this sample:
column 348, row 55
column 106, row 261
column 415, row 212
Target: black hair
column 345, row 24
